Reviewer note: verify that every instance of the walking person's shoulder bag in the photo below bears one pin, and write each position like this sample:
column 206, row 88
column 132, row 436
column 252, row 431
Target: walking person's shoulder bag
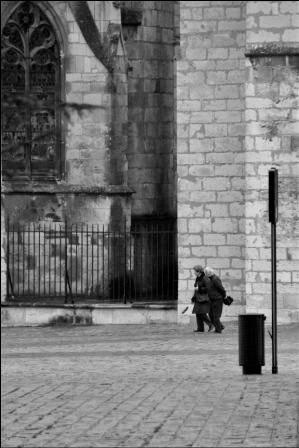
column 228, row 300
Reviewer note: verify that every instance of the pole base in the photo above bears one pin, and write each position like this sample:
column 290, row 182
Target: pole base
column 252, row 370
column 274, row 369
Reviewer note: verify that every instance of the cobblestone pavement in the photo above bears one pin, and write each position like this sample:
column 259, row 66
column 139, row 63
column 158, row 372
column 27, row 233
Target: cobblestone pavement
column 158, row 385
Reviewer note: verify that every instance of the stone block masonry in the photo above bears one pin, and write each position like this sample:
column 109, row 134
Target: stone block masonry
column 272, row 23
column 237, row 74
column 93, row 159
column 211, row 75
column 198, row 99
column 87, row 136
column 272, row 81
column 91, row 186
column 151, row 132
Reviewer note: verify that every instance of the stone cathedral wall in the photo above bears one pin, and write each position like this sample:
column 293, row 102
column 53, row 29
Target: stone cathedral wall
column 148, row 29
column 92, row 188
column 198, row 100
column 272, row 139
column 93, row 185
column 237, row 108
column 211, row 152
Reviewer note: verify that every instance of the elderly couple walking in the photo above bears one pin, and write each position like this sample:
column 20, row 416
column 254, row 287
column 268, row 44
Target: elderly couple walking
column 208, row 299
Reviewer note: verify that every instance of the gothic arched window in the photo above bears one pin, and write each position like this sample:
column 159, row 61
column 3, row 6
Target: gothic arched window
column 31, row 95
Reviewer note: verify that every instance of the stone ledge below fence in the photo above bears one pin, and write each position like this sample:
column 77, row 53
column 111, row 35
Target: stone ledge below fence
column 36, row 314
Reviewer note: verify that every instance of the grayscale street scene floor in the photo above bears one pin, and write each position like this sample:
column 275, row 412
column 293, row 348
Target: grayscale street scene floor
column 157, row 385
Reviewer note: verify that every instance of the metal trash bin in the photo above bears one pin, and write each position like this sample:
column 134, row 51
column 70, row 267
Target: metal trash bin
column 252, row 343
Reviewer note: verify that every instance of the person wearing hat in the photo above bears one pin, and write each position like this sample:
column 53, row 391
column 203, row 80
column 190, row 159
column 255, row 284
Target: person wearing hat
column 216, row 293
column 201, row 301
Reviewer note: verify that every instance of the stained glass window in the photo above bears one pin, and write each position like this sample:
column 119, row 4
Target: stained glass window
column 30, row 94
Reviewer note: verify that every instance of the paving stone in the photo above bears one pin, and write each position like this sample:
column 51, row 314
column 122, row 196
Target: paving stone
column 158, row 385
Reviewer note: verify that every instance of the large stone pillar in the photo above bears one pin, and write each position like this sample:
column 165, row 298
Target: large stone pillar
column 210, row 147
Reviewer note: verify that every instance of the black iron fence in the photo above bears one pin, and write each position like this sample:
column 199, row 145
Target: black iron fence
column 85, row 262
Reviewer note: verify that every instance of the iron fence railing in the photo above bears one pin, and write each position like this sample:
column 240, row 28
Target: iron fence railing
column 85, row 262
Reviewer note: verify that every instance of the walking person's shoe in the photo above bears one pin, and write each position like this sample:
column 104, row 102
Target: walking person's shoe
column 198, row 331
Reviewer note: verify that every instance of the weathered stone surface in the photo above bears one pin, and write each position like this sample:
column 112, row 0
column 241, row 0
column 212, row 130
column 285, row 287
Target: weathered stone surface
column 266, row 25
column 201, row 101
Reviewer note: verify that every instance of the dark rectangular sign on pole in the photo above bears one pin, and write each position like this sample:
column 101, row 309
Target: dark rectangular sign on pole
column 273, row 218
column 273, row 195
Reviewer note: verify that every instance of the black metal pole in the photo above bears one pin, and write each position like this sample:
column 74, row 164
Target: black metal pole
column 273, row 218
column 65, row 261
column 274, row 298
column 7, row 258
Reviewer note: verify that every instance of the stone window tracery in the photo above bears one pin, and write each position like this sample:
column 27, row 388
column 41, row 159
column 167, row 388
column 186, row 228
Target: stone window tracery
column 30, row 94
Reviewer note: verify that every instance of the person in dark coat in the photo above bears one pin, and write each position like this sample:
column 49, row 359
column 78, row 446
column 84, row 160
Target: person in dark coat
column 201, row 301
column 216, row 293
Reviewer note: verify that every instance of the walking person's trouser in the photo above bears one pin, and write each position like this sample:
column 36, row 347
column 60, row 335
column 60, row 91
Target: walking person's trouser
column 200, row 319
column 215, row 314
